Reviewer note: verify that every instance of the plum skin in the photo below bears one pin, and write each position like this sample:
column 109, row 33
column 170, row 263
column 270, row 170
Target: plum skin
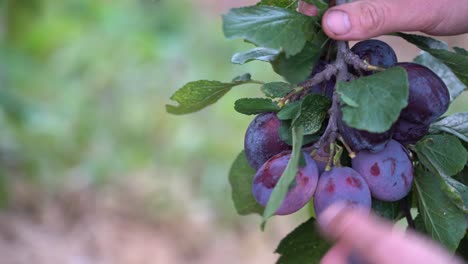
column 326, row 87
column 341, row 184
column 376, row 53
column 262, row 140
column 428, row 95
column 300, row 192
column 407, row 132
column 389, row 173
column 360, row 140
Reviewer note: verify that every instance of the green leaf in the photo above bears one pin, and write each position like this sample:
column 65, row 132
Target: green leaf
column 289, row 111
column 296, row 69
column 454, row 85
column 197, row 95
column 388, row 210
column 374, row 103
column 460, row 50
column 312, row 112
column 285, row 132
column 303, row 245
column 462, row 250
column 241, row 177
column 261, row 54
column 456, row 124
column 457, row 192
column 254, row 106
column 291, row 4
column 456, row 61
column 276, row 89
column 242, row 78
column 443, row 221
column 269, row 26
column 444, row 153
column 288, row 176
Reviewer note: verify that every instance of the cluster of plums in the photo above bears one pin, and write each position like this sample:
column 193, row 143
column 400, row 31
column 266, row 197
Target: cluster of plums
column 382, row 167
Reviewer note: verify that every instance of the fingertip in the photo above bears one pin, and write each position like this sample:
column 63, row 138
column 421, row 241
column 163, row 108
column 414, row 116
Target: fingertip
column 329, row 215
column 307, row 9
column 336, row 23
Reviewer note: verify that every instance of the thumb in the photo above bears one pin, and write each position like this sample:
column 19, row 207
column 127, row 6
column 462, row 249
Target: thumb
column 369, row 18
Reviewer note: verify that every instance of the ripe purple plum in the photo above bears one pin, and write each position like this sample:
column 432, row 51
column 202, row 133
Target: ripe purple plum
column 376, row 53
column 299, row 192
column 388, row 173
column 407, row 132
column 262, row 140
column 360, row 140
column 321, row 156
column 341, row 184
column 428, row 95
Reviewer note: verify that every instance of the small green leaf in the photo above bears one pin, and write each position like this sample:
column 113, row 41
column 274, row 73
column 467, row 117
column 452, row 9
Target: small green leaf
column 285, row 132
column 303, row 245
column 444, row 153
column 443, row 221
column 276, row 89
column 454, row 85
column 289, row 111
column 254, row 106
column 388, row 210
column 269, row 26
column 461, row 51
column 242, row 78
column 261, row 54
column 196, row 95
column 456, row 61
column 457, row 192
column 241, row 177
column 296, row 69
column 374, row 103
column 312, row 112
column 288, row 176
column 456, row 124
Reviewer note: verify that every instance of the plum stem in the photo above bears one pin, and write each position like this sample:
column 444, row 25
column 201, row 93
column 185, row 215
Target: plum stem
column 406, row 209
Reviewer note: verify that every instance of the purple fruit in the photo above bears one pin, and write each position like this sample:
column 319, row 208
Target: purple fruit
column 300, row 191
column 321, row 157
column 376, row 53
column 388, row 173
column 407, row 132
column 341, row 185
column 262, row 140
column 360, row 140
column 428, row 96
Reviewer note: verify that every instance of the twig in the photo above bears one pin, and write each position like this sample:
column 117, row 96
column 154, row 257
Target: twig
column 406, row 209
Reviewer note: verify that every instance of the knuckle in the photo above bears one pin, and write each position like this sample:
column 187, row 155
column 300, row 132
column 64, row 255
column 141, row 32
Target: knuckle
column 372, row 16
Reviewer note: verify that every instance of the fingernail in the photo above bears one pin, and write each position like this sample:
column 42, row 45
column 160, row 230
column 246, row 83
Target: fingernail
column 338, row 22
column 330, row 214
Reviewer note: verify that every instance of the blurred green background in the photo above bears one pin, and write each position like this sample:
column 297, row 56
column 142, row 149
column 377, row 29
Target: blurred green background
column 83, row 89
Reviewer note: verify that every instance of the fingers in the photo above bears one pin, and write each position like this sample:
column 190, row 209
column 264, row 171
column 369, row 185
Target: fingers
column 373, row 239
column 370, row 18
column 336, row 255
column 307, row 9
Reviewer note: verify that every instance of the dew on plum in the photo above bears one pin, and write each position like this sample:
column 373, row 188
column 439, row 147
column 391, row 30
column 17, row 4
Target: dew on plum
column 388, row 173
column 262, row 140
column 299, row 192
column 341, row 184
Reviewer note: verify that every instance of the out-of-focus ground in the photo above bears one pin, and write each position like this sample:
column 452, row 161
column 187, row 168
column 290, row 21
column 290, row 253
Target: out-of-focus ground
column 92, row 169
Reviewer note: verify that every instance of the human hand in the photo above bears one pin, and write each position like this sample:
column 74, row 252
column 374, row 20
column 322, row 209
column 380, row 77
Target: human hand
column 365, row 19
column 375, row 240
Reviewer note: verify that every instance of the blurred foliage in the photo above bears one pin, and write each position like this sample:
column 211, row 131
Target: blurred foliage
column 83, row 84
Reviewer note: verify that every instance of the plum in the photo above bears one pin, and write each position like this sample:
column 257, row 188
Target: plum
column 428, row 95
column 376, row 53
column 299, row 192
column 341, row 184
column 262, row 140
column 360, row 140
column 389, row 173
column 407, row 132
column 326, row 87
